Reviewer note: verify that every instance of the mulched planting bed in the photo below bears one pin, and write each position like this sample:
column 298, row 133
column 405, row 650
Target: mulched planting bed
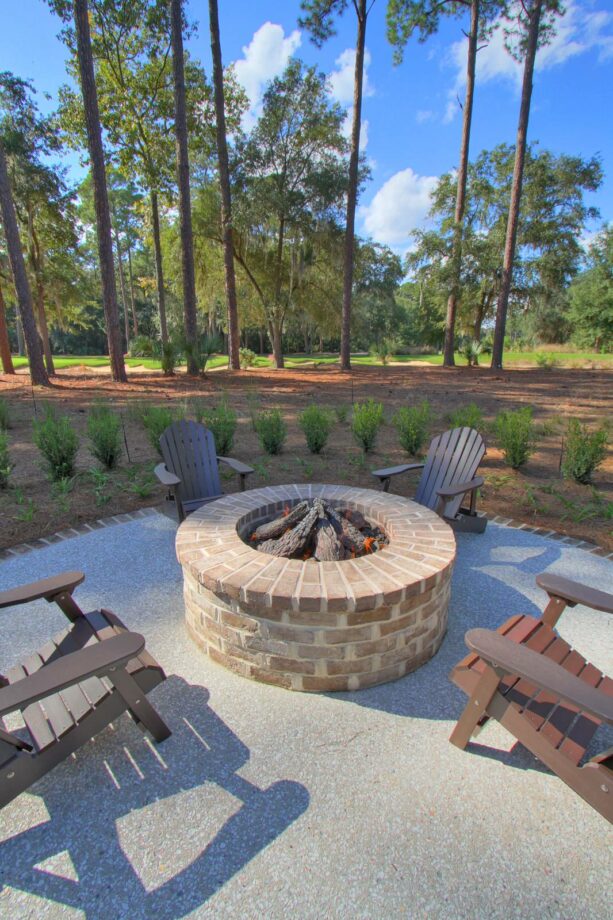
column 536, row 494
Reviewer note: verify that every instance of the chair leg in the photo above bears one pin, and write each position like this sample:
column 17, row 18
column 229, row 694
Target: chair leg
column 475, row 708
column 138, row 704
column 554, row 610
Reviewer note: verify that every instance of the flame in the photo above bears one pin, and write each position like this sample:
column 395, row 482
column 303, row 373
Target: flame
column 368, row 544
column 307, row 555
column 253, row 538
column 286, row 511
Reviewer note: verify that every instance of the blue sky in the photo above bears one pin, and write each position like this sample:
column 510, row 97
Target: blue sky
column 413, row 122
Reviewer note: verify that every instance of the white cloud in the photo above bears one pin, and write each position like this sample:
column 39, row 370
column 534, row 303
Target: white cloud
column 265, row 57
column 341, row 80
column 575, row 33
column 400, row 206
column 424, row 115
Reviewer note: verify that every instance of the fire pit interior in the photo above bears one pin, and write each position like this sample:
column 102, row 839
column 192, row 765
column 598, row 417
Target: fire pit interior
column 314, row 529
column 341, row 619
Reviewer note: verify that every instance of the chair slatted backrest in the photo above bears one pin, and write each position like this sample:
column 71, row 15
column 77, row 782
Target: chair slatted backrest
column 189, row 452
column 453, row 457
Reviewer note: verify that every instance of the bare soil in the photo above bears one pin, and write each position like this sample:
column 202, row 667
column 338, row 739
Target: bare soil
column 536, row 495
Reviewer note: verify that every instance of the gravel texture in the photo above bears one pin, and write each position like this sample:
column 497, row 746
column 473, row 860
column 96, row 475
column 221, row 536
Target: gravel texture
column 266, row 803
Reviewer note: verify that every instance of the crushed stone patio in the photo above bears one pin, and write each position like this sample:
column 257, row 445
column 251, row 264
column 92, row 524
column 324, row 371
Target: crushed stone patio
column 268, row 803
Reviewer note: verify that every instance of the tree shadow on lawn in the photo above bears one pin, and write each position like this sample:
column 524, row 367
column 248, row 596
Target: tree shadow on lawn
column 149, row 831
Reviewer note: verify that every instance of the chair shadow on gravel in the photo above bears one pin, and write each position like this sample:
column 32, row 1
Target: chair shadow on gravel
column 151, row 831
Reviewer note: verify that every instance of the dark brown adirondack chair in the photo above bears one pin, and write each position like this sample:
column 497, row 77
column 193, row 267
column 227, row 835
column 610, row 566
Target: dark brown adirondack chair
column 448, row 475
column 191, row 466
column 71, row 689
column 541, row 690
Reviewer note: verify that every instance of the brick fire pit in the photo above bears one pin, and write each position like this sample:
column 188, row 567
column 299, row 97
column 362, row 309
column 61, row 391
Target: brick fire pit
column 316, row 626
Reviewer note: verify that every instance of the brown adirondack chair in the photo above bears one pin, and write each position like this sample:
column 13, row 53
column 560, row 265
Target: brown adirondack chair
column 541, row 690
column 191, row 466
column 449, row 473
column 71, row 689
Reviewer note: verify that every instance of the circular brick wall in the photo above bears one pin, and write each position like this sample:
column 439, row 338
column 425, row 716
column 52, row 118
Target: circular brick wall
column 316, row 626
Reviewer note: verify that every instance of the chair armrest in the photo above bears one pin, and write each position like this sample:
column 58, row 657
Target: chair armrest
column 47, row 588
column 512, row 658
column 573, row 592
column 166, row 478
column 396, row 470
column 237, row 466
column 91, row 661
column 462, row 487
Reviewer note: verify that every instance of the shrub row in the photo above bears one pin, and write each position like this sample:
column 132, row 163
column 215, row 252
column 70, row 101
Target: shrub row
column 584, row 449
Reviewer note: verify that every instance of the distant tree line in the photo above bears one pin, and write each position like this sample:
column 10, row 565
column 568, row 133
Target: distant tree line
column 190, row 232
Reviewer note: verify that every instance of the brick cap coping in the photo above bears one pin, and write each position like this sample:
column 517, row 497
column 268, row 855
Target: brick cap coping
column 19, row 549
column 422, row 547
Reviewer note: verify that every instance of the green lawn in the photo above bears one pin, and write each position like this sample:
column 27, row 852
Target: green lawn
column 511, row 358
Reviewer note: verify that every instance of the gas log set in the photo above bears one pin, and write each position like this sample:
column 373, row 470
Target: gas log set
column 314, row 529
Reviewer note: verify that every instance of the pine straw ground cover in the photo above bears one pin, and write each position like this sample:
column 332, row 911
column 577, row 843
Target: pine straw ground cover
column 535, row 494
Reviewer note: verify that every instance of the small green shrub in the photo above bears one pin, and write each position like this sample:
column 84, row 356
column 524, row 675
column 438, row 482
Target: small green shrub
column 366, row 421
column 384, row 350
column 104, row 432
column 221, row 420
column 469, row 416
column 584, row 451
column 5, row 416
column 247, row 358
column 471, row 351
column 142, row 347
column 156, row 420
column 202, row 350
column 60, row 490
column 271, row 430
column 545, row 361
column 516, row 435
column 5, row 461
column 316, row 424
column 169, row 358
column 58, row 443
column 412, row 423
column 341, row 413
column 254, row 401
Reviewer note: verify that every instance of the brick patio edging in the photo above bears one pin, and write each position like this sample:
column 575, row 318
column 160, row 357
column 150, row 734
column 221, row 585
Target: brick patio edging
column 79, row 529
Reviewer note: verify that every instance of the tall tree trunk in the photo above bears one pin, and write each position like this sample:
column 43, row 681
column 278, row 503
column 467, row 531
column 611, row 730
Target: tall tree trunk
column 35, row 258
column 43, row 328
column 276, row 337
column 458, row 229
column 101, row 201
column 122, row 286
column 5, row 344
column 352, row 191
column 159, row 268
column 21, row 344
column 276, row 325
column 131, row 280
column 479, row 320
column 185, row 208
column 224, row 182
column 534, row 23
column 38, row 372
